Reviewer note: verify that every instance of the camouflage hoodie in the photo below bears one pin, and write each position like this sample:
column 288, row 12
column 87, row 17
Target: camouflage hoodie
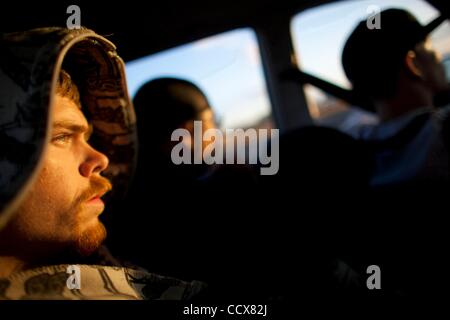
column 30, row 63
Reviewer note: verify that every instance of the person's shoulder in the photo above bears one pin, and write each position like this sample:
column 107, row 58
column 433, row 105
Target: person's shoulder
column 153, row 286
column 393, row 127
column 95, row 282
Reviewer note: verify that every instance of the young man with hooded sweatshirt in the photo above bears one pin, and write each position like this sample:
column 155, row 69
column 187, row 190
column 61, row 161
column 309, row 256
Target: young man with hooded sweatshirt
column 67, row 131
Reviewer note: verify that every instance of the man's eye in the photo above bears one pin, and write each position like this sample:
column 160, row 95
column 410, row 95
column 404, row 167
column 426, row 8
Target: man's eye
column 62, row 138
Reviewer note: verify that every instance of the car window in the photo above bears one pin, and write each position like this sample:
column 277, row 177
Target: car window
column 227, row 67
column 319, row 37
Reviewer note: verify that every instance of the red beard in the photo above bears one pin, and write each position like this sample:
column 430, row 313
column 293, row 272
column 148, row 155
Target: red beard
column 90, row 239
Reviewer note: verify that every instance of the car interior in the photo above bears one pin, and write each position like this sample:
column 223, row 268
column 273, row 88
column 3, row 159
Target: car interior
column 312, row 229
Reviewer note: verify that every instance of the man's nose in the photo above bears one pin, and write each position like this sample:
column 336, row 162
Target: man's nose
column 94, row 163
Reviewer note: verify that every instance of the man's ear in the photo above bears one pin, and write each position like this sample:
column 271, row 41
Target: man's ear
column 411, row 64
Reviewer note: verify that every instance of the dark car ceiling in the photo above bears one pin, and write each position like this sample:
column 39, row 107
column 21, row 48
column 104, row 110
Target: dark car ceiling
column 139, row 28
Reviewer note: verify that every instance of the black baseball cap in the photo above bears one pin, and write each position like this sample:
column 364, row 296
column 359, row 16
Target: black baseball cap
column 372, row 56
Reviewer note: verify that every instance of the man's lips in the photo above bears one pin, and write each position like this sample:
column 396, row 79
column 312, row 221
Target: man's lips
column 97, row 198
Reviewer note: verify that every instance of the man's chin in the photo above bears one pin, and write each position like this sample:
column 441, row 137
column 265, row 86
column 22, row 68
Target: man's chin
column 90, row 239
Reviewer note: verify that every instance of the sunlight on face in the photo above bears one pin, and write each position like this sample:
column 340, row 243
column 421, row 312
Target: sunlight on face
column 61, row 210
column 430, row 63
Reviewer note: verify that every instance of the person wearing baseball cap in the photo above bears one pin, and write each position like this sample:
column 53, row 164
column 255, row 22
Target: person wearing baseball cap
column 379, row 62
column 396, row 68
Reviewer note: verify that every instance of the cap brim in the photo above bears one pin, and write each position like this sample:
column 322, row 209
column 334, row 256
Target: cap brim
column 433, row 25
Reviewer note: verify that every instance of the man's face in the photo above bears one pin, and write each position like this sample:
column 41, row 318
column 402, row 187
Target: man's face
column 429, row 61
column 62, row 209
column 207, row 119
column 206, row 115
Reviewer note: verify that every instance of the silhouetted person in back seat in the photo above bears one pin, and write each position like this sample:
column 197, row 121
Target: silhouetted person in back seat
column 398, row 70
column 177, row 239
column 164, row 105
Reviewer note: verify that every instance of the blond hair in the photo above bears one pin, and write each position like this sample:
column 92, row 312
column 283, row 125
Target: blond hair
column 67, row 88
